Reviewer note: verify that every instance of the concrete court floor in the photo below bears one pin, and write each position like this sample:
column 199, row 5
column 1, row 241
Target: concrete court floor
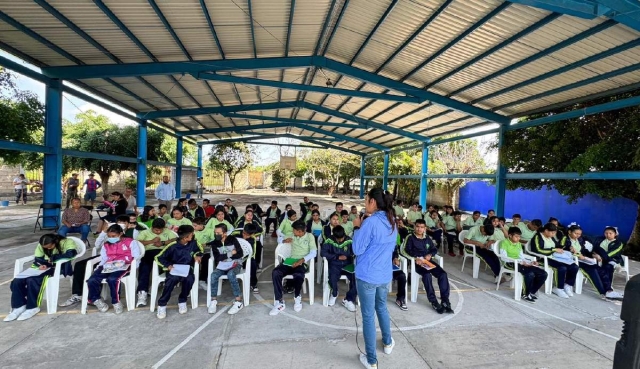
column 488, row 330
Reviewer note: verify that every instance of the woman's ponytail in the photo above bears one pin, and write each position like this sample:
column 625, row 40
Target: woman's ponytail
column 384, row 202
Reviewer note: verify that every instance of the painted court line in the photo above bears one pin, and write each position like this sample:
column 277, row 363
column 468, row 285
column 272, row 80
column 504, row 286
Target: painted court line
column 188, row 339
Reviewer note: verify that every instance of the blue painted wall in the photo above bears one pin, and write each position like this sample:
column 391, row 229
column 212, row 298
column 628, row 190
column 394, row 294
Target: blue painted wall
column 591, row 212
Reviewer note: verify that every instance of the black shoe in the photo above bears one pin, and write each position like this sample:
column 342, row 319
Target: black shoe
column 528, row 298
column 288, row 290
column 437, row 307
column 402, row 305
column 447, row 307
column 533, row 296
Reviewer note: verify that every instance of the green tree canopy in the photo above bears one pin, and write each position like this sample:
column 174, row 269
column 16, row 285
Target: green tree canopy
column 601, row 142
column 230, row 158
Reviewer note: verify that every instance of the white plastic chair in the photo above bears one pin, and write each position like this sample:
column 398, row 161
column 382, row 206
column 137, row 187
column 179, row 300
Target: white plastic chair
column 326, row 289
column 261, row 253
column 415, row 277
column 517, row 280
column 129, row 282
column 245, row 275
column 548, row 284
column 282, row 252
column 468, row 254
column 157, row 278
column 622, row 268
column 52, row 289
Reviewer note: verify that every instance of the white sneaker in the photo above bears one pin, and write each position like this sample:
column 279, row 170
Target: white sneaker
column 614, row 295
column 297, row 304
column 118, row 308
column 237, row 306
column 277, row 308
column 203, row 285
column 162, row 312
column 560, row 293
column 363, row 360
column 15, row 313
column 28, row 314
column 101, row 305
column 349, row 305
column 332, row 300
column 142, row 299
column 213, row 306
column 388, row 349
column 182, row 307
column 74, row 299
column 568, row 290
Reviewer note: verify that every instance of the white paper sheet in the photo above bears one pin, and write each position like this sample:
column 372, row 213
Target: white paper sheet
column 180, row 270
column 30, row 272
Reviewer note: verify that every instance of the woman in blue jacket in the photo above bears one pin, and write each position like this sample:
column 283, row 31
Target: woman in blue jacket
column 373, row 244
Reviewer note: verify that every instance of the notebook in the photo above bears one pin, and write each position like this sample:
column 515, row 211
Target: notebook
column 114, row 266
column 290, row 261
column 349, row 268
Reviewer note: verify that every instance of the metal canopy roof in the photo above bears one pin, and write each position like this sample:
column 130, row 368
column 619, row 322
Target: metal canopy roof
column 375, row 73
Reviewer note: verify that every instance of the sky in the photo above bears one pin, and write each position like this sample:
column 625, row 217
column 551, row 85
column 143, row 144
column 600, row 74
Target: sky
column 265, row 154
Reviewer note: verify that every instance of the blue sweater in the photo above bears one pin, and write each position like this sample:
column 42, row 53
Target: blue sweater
column 373, row 245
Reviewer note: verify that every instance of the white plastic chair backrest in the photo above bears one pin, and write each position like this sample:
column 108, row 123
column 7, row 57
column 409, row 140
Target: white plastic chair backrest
column 81, row 247
column 283, row 251
column 527, row 246
column 462, row 236
column 141, row 247
column 247, row 250
column 588, row 246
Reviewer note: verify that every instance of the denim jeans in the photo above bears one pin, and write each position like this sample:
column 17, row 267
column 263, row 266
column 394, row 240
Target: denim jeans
column 373, row 300
column 231, row 274
column 83, row 229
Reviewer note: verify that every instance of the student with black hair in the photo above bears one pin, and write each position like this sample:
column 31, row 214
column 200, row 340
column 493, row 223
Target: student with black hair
column 533, row 276
column 116, row 249
column 148, row 216
column 135, row 226
column 561, row 261
column 479, row 236
column 515, row 221
column 220, row 216
column 208, row 209
column 273, row 214
column 334, row 221
column 401, row 279
column 346, row 223
column 248, row 234
column 312, row 207
column 182, row 205
column 194, row 210
column 226, row 249
column 232, row 212
column 285, row 230
column 163, row 212
column 26, row 293
column 249, row 217
column 403, row 230
column 339, row 254
column 588, row 262
column 529, row 229
column 473, row 221
column 413, row 214
column 453, row 226
column 284, row 215
column 185, row 251
column 418, row 246
column 178, row 219
column 304, row 207
column 354, row 213
column 203, row 236
column 399, row 209
column 434, row 226
column 315, row 224
column 339, row 208
column 303, row 249
column 559, row 233
column 490, row 213
column 610, row 250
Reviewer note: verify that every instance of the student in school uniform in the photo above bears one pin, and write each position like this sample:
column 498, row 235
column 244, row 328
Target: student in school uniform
column 565, row 272
column 233, row 213
column 453, row 226
column 403, row 230
column 258, row 213
column 194, row 210
column 339, row 207
column 610, row 250
column 588, row 262
column 285, row 230
column 399, row 209
column 434, row 227
column 273, row 214
column 182, row 252
column 177, row 220
column 529, row 229
column 203, row 237
column 154, row 240
column 401, row 279
column 346, row 223
column 515, row 221
column 134, row 226
column 250, row 218
column 560, row 232
column 117, row 248
column 354, row 213
column 473, row 221
column 339, row 254
column 533, row 276
column 334, row 221
column 479, row 236
column 226, row 249
column 315, row 224
column 490, row 213
column 220, row 217
column 304, row 207
column 499, row 232
column 26, row 293
column 310, row 212
column 420, row 247
column 413, row 214
column 163, row 212
column 248, row 234
column 182, row 205
column 303, row 249
column 208, row 209
column 284, row 215
column 148, row 216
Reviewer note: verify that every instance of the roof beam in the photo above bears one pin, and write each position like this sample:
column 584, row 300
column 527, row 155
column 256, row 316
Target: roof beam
column 294, row 121
column 310, row 88
column 346, row 138
column 306, row 139
column 217, row 110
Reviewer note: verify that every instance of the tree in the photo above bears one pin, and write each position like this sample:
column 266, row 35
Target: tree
column 230, row 158
column 601, row 142
column 22, row 117
column 279, row 178
column 457, row 157
column 189, row 151
column 92, row 132
column 406, row 163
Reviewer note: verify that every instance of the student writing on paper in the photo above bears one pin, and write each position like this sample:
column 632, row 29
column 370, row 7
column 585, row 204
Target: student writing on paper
column 184, row 251
column 234, row 253
column 544, row 243
column 419, row 247
column 595, row 273
column 303, row 249
column 338, row 251
column 26, row 293
column 116, row 248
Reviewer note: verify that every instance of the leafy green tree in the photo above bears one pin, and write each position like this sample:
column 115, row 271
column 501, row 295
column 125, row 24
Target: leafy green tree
column 230, row 158
column 92, row 132
column 22, row 117
column 406, row 163
column 600, row 142
column 279, row 177
column 189, row 151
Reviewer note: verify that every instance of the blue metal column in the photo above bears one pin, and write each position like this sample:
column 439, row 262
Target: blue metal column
column 179, row 167
column 141, row 187
column 52, row 162
column 362, row 174
column 423, row 177
column 199, row 173
column 501, row 181
column 385, row 171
